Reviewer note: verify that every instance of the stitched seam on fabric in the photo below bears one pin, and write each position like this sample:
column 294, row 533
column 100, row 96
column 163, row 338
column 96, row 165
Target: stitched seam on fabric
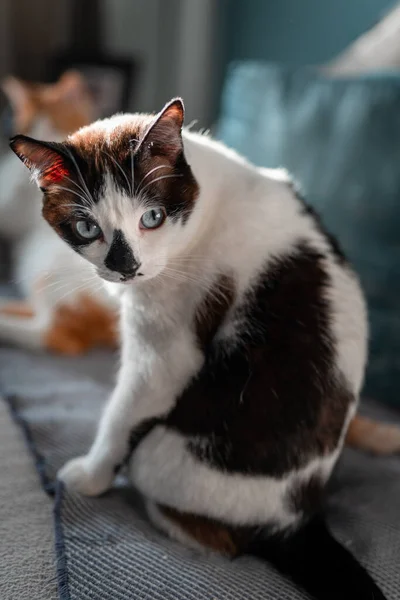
column 39, row 460
column 59, row 545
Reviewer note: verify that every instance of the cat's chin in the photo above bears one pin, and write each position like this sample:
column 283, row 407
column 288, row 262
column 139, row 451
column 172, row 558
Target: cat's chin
column 129, row 281
column 124, row 282
column 118, row 279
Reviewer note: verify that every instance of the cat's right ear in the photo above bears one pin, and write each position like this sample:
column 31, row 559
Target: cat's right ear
column 164, row 135
column 18, row 92
column 45, row 160
column 19, row 95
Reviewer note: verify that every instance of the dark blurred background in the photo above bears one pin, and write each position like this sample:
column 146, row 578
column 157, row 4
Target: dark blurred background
column 176, row 46
column 168, row 47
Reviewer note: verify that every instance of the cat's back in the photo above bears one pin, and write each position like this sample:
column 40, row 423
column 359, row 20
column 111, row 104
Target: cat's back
column 263, row 234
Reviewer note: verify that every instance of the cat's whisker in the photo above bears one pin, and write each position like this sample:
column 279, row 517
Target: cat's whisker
column 191, row 257
column 77, row 207
column 170, row 176
column 88, row 200
column 43, row 275
column 150, row 172
column 80, row 174
column 217, row 294
column 94, row 289
column 54, row 289
column 62, row 280
column 65, row 189
column 194, row 262
column 79, row 211
column 187, row 277
column 184, row 270
column 73, row 291
column 132, row 168
column 122, row 171
column 182, row 279
column 64, row 283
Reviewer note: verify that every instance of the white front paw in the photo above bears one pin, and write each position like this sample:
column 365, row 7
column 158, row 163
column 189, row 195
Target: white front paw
column 78, row 475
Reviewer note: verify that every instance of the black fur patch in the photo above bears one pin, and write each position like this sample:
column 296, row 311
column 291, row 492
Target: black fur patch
column 274, row 401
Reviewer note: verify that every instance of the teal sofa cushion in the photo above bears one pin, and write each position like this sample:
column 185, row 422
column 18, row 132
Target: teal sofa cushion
column 340, row 138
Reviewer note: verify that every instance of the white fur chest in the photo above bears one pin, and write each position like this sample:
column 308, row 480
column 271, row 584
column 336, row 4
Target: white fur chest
column 159, row 352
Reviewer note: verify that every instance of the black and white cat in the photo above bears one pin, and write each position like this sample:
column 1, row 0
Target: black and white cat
column 244, row 340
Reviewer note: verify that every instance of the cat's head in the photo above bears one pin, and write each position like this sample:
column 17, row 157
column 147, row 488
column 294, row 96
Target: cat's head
column 50, row 110
column 120, row 192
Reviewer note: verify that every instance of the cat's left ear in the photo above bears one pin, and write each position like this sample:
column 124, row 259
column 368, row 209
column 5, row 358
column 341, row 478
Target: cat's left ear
column 164, row 136
column 44, row 159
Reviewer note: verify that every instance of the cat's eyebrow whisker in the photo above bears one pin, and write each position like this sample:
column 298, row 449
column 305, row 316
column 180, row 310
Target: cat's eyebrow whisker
column 150, row 172
column 159, row 179
column 78, row 209
column 79, row 212
column 88, row 200
column 121, row 169
column 80, row 174
column 65, row 189
column 132, row 168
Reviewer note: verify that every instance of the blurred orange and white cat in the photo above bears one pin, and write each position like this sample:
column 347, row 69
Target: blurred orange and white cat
column 60, row 312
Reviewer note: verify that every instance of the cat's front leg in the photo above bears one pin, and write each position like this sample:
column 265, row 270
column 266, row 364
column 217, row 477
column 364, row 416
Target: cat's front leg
column 93, row 473
column 159, row 376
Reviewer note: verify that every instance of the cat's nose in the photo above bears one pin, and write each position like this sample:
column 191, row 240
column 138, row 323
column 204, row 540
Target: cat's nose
column 129, row 272
column 120, row 257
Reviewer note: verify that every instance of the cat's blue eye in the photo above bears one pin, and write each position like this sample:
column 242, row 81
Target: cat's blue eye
column 87, row 230
column 153, row 218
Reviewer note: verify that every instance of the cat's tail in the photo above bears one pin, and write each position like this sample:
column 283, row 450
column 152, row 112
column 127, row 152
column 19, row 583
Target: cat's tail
column 313, row 559
column 373, row 436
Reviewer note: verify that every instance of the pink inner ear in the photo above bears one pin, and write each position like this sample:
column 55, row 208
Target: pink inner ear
column 55, row 172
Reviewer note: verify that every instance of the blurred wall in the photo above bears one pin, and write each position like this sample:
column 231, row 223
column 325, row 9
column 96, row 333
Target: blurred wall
column 29, row 33
column 297, row 31
column 177, row 45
